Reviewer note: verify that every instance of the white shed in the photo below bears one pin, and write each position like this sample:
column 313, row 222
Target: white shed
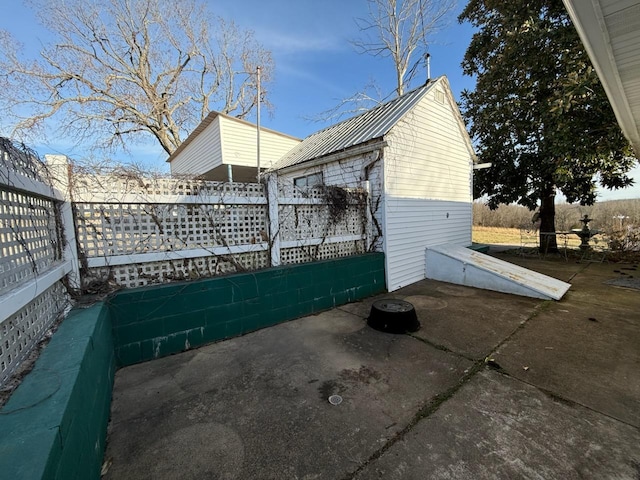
column 224, row 148
column 417, row 158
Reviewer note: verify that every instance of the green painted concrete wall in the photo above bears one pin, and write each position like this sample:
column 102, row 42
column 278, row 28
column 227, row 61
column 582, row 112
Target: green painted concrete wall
column 54, row 425
column 156, row 321
column 479, row 247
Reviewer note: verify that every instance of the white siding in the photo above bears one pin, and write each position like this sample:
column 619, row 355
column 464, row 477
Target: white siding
column 202, row 154
column 412, row 225
column 239, row 144
column 344, row 173
column 427, row 156
column 427, row 175
column 377, row 205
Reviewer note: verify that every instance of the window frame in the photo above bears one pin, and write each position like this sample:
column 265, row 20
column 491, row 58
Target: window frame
column 304, row 180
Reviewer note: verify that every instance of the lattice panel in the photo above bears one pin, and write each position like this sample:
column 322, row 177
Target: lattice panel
column 353, row 222
column 138, row 275
column 119, row 229
column 129, row 184
column 20, row 160
column 28, row 237
column 20, row 332
column 300, row 222
column 324, row 251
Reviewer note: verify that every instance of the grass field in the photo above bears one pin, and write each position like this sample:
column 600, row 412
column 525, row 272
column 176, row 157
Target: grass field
column 496, row 235
column 511, row 236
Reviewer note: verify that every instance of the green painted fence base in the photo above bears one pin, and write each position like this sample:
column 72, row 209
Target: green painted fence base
column 153, row 322
column 54, row 425
column 479, row 247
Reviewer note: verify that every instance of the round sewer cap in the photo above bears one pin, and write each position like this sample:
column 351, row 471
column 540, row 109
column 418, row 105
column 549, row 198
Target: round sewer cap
column 393, row 316
column 335, row 399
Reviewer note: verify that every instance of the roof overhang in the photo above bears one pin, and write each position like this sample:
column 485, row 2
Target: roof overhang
column 610, row 32
column 356, row 150
column 206, row 121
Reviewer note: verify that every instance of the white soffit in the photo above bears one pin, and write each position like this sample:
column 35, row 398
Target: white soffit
column 610, row 32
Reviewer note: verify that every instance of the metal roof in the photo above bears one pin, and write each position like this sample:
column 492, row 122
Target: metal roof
column 370, row 125
column 610, row 32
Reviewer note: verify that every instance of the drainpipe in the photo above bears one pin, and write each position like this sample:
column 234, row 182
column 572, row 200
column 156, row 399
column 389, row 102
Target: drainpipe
column 365, row 168
column 367, row 186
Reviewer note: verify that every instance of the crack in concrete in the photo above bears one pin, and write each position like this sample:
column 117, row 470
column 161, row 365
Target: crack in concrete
column 567, row 401
column 434, row 404
column 578, row 272
column 441, row 347
column 424, row 412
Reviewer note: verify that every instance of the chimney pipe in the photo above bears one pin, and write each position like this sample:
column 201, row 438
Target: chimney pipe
column 428, row 67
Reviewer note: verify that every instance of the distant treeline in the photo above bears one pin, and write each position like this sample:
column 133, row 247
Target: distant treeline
column 611, row 215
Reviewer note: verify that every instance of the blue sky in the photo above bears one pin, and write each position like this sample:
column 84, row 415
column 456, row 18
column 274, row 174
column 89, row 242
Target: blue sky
column 316, row 66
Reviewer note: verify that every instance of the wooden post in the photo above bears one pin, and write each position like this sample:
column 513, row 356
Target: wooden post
column 274, row 224
column 60, row 171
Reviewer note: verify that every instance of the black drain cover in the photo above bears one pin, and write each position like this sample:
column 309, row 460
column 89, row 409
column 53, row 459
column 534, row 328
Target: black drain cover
column 393, row 316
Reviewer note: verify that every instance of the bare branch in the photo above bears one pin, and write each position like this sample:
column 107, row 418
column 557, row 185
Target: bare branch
column 369, row 97
column 118, row 71
column 401, row 29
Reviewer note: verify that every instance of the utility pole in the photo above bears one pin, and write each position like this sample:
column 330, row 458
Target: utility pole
column 258, row 125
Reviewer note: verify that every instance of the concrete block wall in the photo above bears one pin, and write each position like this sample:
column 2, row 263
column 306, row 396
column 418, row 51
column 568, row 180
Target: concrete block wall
column 153, row 322
column 54, row 425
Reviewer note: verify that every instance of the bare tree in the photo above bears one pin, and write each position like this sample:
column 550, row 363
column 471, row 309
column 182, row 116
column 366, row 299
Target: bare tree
column 121, row 70
column 400, row 29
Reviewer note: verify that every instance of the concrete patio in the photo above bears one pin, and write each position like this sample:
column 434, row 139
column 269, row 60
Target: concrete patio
column 492, row 386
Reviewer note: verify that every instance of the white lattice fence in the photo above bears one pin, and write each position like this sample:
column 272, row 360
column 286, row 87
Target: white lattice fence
column 32, row 295
column 22, row 330
column 321, row 251
column 134, row 231
column 109, row 229
column 138, row 231
column 28, row 232
column 168, row 270
column 317, row 224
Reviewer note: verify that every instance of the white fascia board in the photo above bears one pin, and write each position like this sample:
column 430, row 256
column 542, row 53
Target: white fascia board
column 589, row 21
column 336, row 156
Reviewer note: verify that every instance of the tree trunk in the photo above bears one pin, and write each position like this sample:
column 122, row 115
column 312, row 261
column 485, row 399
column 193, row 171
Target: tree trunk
column 548, row 243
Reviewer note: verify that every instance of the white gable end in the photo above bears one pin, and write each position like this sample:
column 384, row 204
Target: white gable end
column 417, row 157
column 221, row 141
column 202, row 154
column 428, row 191
column 240, row 144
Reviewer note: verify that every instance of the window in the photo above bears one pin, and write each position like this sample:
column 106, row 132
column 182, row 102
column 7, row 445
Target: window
column 308, row 180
